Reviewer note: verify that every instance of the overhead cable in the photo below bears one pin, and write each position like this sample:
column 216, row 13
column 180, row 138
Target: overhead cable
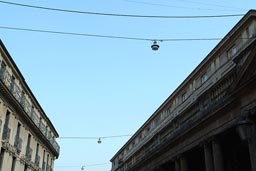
column 210, row 4
column 120, row 15
column 83, row 166
column 81, row 137
column 180, row 7
column 105, row 36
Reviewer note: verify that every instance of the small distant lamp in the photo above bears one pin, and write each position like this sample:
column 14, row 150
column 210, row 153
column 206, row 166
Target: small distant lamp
column 99, row 141
column 155, row 46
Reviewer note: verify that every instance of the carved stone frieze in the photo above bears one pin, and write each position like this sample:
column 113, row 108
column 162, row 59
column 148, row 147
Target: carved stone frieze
column 8, row 147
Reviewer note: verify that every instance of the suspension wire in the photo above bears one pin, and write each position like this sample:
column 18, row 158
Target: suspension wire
column 106, row 36
column 88, row 165
column 120, row 15
column 104, row 137
column 211, row 4
column 72, row 33
column 180, row 7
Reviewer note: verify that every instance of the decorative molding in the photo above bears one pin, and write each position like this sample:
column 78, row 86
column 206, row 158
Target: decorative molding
column 9, row 148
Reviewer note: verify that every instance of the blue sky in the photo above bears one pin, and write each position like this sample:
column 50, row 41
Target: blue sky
column 97, row 87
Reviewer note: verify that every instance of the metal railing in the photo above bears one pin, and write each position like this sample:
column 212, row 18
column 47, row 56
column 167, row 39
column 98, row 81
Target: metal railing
column 42, row 127
column 16, row 91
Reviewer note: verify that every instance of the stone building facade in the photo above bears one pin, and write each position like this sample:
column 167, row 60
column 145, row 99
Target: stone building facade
column 28, row 138
column 208, row 122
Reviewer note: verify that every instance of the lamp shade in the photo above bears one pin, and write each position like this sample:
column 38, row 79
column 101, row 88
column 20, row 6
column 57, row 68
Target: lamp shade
column 155, row 46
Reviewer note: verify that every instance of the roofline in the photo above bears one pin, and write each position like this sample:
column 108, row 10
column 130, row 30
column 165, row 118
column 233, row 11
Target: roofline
column 249, row 14
column 27, row 87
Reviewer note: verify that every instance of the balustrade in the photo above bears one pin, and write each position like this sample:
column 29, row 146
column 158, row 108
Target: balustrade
column 42, row 127
column 6, row 78
column 16, row 91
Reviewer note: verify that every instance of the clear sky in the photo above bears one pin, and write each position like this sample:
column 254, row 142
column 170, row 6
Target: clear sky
column 98, row 87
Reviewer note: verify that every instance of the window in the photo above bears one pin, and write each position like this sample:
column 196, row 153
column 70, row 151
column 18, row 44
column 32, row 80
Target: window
column 231, row 52
column 191, row 87
column 148, row 129
column 1, row 158
column 215, row 64
column 194, row 85
column 3, row 67
column 157, row 121
column 248, row 33
column 177, row 101
column 183, row 97
column 6, row 129
column 51, row 161
column 13, row 163
column 204, row 78
column 37, row 148
column 164, row 114
column 26, row 167
column 133, row 143
column 140, row 137
column 7, row 118
column 251, row 30
column 169, row 110
column 37, row 157
column 18, row 130
column 29, row 140
column 43, row 164
column 152, row 124
column 47, row 161
column 127, row 149
column 17, row 141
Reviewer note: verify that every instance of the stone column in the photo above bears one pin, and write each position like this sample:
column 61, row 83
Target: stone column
column 217, row 155
column 208, row 157
column 252, row 147
column 183, row 163
column 177, row 165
